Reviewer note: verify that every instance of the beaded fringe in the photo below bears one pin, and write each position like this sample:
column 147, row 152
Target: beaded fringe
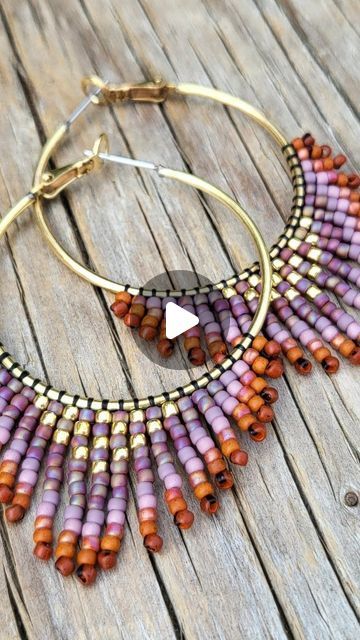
column 200, row 429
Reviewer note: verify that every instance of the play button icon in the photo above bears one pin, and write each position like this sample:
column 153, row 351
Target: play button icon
column 178, row 320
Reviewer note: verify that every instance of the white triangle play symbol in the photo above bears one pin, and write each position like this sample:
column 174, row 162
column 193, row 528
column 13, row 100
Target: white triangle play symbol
column 178, row 320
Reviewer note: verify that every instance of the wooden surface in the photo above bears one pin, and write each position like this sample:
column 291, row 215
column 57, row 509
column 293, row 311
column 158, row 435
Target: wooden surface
column 281, row 559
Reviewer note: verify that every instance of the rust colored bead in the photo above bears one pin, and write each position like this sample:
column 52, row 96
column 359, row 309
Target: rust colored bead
column 347, row 347
column 22, row 499
column 353, row 181
column 123, row 296
column 171, row 494
column 330, row 364
column 68, row 536
column 184, row 519
column 326, row 150
column 212, row 454
column 147, row 514
column 259, row 343
column 107, row 560
column 275, row 368
column 65, row 566
column 209, row 504
column 191, row 343
column 203, row 489
column 150, row 321
column 339, row 160
column 229, row 446
column 270, row 395
column 216, row 466
column 316, row 152
column 110, row 543
column 308, row 140
column 218, row 358
column 255, row 403
column 272, row 349
column 43, row 551
column 7, row 466
column 43, row 535
column 259, row 365
column 6, row 494
column 86, row 557
column 265, row 414
column 303, row 366
column 165, row 348
column 258, row 384
column 132, row 320
column 177, row 504
column 7, row 478
column 328, row 164
column 354, row 357
column 245, row 422
column 224, row 479
column 14, row 513
column 86, row 574
column 147, row 528
column 67, row 550
column 197, row 356
column 294, row 354
column 153, row 543
column 298, row 143
column 257, row 432
column 119, row 309
column 239, row 411
column 239, row 457
column 321, row 353
column 147, row 333
column 43, row 522
column 342, row 180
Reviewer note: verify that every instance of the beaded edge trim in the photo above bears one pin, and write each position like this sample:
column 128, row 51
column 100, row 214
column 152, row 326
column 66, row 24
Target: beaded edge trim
column 7, row 361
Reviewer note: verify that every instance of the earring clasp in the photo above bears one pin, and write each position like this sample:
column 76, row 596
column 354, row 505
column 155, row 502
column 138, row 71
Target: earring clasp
column 155, row 91
column 53, row 182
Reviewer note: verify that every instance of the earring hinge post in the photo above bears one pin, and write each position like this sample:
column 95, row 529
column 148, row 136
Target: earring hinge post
column 132, row 162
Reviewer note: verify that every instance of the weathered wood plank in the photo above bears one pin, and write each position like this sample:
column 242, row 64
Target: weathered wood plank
column 280, row 558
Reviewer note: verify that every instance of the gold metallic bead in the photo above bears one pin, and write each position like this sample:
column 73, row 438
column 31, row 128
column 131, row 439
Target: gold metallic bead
column 100, row 442
column 312, row 238
column 61, row 437
column 314, row 271
column 314, row 254
column 274, row 295
column 137, row 415
column 291, row 294
column 137, row 440
column 48, row 418
column 276, row 279
column 80, row 453
column 228, row 292
column 99, row 466
column 119, row 427
column 82, row 428
column 153, row 425
column 103, row 415
column 277, row 264
column 305, row 223
column 70, row 412
column 294, row 278
column 313, row 292
column 294, row 244
column 254, row 279
column 250, row 294
column 295, row 261
column 121, row 453
column 169, row 408
column 41, row 402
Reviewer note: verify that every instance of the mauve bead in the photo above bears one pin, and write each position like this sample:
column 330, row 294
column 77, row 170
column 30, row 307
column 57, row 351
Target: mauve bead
column 78, row 500
column 31, row 463
column 118, row 517
column 20, row 402
column 77, row 487
column 90, row 532
column 116, row 504
column 100, row 429
column 219, row 424
column 6, row 422
column 166, row 470
column 4, row 436
column 5, row 376
column 73, row 512
column 148, row 501
column 15, row 385
column 173, row 480
column 121, row 492
column 205, row 444
column 95, row 515
column 6, row 393
column 20, row 446
column 46, row 509
column 182, row 442
column 193, row 465
column 144, row 488
column 186, row 454
column 74, row 525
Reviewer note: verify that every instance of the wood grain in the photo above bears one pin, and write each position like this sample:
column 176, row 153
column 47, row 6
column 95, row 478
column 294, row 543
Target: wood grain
column 281, row 558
